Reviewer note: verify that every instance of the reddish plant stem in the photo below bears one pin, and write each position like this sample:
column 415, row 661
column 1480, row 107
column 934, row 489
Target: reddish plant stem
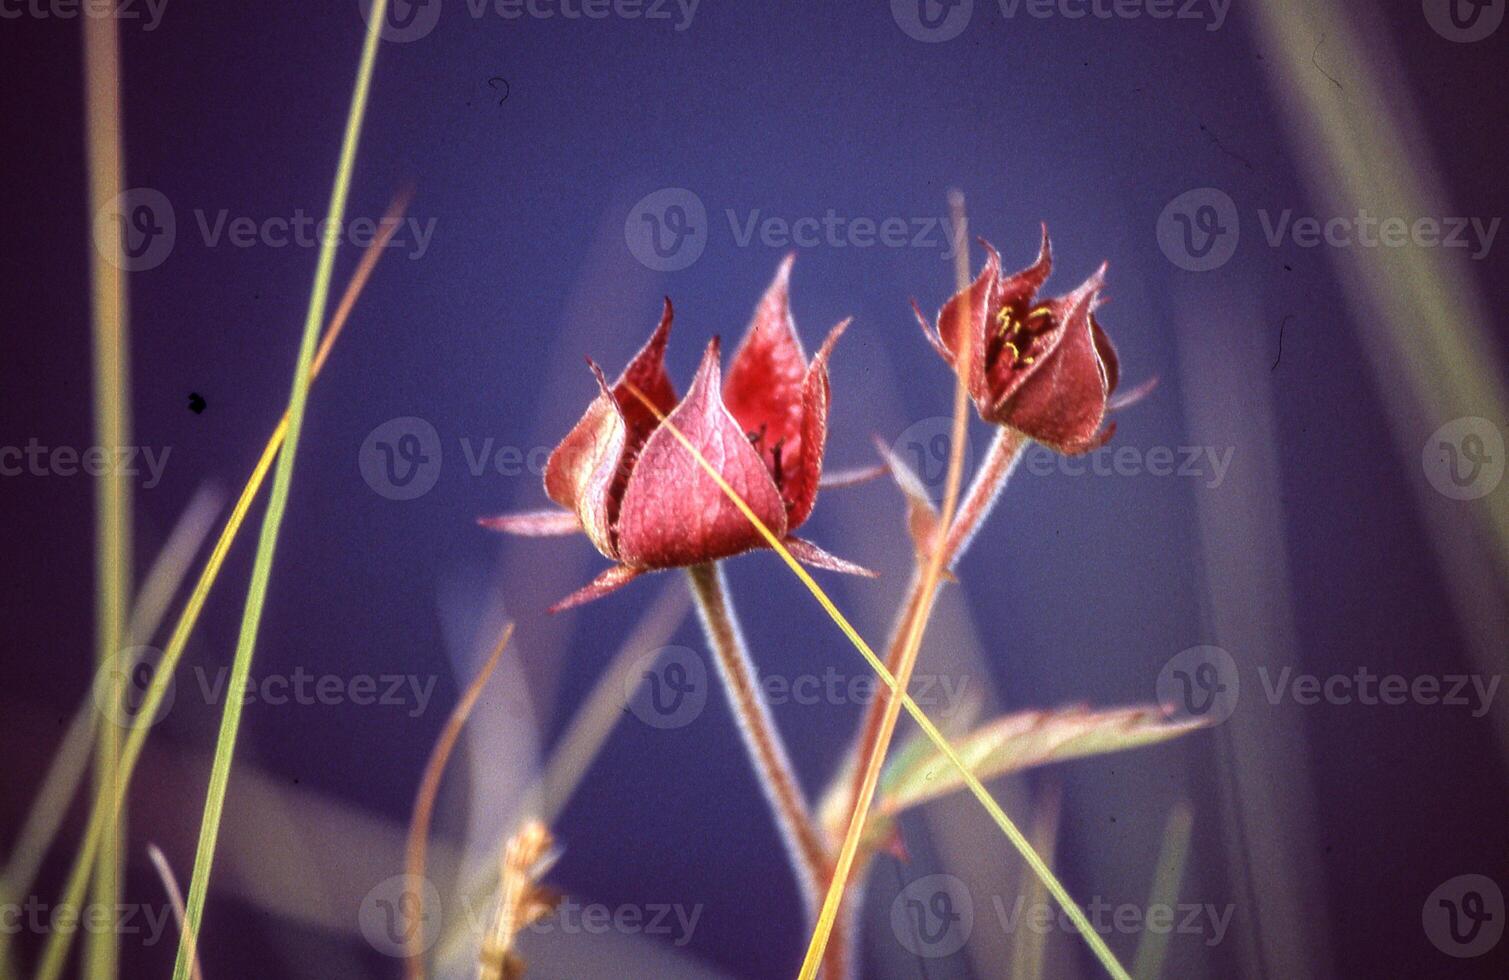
column 804, row 841
column 1000, row 460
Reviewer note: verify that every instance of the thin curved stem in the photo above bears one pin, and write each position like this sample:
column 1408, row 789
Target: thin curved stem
column 1000, row 460
column 804, row 842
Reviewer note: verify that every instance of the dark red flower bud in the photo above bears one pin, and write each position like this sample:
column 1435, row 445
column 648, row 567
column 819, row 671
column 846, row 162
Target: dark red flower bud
column 1041, row 366
column 645, row 500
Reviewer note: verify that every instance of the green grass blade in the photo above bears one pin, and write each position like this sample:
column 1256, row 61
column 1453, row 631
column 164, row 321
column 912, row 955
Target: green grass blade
column 1165, row 891
column 112, row 428
column 55, row 954
column 277, row 504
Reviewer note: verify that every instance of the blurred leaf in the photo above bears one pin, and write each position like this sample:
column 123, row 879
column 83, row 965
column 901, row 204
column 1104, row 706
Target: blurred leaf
column 1020, row 741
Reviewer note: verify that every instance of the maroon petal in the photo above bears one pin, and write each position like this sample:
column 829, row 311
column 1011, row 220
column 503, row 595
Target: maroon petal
column 972, row 304
column 534, row 523
column 810, row 554
column 646, row 371
column 610, row 580
column 1021, row 287
column 580, row 474
column 673, row 512
column 764, row 386
column 799, row 483
column 1063, row 403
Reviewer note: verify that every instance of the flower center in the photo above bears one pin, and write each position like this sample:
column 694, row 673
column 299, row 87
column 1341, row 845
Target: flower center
column 1016, row 335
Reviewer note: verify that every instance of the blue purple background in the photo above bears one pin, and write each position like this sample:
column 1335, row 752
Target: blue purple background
column 1082, row 588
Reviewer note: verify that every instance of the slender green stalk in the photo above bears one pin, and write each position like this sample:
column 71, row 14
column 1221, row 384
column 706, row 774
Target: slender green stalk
column 1153, row 945
column 112, row 429
column 277, row 504
column 55, row 953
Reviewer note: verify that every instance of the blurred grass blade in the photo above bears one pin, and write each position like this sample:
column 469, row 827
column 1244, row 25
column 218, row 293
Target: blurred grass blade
column 1153, row 945
column 277, row 502
column 65, row 772
column 56, row 949
column 424, row 803
column 112, row 428
column 1425, row 326
column 175, row 896
column 1029, row 946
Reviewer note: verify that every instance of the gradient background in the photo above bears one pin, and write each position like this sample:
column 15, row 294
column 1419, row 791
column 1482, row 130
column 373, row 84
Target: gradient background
column 1080, row 589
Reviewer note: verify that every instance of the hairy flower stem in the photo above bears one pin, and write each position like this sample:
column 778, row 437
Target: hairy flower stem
column 804, row 842
column 1000, row 460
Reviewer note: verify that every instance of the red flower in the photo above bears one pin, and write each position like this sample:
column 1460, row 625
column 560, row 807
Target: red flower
column 1041, row 366
column 647, row 503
